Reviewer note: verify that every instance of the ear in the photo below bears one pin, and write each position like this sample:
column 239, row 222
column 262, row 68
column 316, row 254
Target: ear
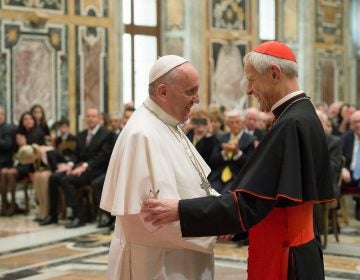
column 162, row 90
column 275, row 72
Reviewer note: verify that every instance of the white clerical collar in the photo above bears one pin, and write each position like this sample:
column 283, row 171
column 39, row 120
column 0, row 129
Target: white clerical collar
column 160, row 113
column 286, row 98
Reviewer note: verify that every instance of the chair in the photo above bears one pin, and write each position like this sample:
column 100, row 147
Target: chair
column 25, row 184
column 352, row 190
column 329, row 211
column 86, row 199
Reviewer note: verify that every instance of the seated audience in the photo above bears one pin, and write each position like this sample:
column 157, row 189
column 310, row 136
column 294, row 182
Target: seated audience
column 50, row 157
column 27, row 133
column 73, row 176
column 351, row 152
column 7, row 147
column 230, row 153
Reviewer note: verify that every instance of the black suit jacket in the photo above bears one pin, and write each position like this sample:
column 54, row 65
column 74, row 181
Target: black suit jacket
column 204, row 146
column 96, row 153
column 347, row 140
column 217, row 162
column 7, row 144
column 335, row 154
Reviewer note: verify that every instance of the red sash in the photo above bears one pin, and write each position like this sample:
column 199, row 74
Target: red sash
column 271, row 239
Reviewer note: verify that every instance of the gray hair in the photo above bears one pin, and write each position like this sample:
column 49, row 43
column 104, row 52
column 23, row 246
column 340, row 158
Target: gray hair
column 235, row 113
column 262, row 62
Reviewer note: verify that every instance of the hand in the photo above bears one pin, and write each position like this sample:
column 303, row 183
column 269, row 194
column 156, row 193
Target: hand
column 78, row 170
column 63, row 167
column 345, row 174
column 160, row 211
column 226, row 147
column 225, row 238
column 20, row 139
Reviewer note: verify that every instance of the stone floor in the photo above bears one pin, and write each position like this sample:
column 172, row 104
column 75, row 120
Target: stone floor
column 29, row 252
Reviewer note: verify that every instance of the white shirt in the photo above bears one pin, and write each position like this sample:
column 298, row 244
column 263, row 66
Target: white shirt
column 148, row 155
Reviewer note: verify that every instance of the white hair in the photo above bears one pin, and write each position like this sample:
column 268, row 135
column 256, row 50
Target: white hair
column 235, row 113
column 262, row 62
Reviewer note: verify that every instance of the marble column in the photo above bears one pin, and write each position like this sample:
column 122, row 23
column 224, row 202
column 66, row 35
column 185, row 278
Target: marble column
column 305, row 49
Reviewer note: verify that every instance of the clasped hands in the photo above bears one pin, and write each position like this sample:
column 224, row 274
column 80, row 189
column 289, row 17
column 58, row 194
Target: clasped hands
column 230, row 147
column 165, row 211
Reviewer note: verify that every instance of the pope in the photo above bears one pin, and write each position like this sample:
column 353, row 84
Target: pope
column 153, row 158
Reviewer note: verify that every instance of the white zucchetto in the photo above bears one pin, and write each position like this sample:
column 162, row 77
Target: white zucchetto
column 163, row 65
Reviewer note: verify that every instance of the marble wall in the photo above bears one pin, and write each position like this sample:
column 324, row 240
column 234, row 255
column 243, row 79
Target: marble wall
column 56, row 53
column 230, row 37
column 34, row 61
column 315, row 30
column 330, row 51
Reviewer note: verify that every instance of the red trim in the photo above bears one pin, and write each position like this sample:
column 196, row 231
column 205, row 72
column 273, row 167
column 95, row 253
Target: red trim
column 283, row 195
column 238, row 209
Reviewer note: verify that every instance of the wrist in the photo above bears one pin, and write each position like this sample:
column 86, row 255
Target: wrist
column 85, row 165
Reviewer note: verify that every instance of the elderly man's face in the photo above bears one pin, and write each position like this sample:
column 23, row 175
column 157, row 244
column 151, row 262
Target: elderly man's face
column 183, row 93
column 261, row 87
column 235, row 124
column 355, row 122
column 251, row 120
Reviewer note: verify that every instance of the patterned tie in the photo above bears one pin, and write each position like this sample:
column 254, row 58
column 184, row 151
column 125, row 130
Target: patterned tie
column 226, row 173
column 89, row 138
column 356, row 173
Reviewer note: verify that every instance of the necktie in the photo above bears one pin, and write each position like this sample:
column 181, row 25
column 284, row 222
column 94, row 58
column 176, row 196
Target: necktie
column 226, row 173
column 356, row 173
column 88, row 138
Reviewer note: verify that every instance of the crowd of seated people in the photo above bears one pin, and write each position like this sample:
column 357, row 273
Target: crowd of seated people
column 60, row 167
column 57, row 168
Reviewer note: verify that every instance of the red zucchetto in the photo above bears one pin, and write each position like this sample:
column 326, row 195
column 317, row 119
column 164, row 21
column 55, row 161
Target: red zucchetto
column 277, row 49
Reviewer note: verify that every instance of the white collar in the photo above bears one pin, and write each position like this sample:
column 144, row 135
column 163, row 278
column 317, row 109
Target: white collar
column 160, row 113
column 286, row 98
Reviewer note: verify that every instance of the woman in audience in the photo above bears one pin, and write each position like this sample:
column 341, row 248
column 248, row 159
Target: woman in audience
column 39, row 115
column 28, row 133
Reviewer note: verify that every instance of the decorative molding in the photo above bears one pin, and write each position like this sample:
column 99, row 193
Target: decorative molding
column 174, row 15
column 329, row 71
column 329, row 21
column 229, row 15
column 49, row 6
column 92, row 8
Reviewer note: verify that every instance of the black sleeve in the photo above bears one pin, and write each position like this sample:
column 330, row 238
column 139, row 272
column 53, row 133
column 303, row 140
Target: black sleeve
column 7, row 138
column 226, row 214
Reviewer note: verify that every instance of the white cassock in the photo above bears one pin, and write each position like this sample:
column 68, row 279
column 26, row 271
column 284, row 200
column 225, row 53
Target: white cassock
column 150, row 157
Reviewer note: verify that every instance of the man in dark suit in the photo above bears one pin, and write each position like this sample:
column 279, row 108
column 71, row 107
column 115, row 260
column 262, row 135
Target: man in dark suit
column 70, row 177
column 251, row 119
column 7, row 147
column 116, row 125
column 230, row 153
column 351, row 144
